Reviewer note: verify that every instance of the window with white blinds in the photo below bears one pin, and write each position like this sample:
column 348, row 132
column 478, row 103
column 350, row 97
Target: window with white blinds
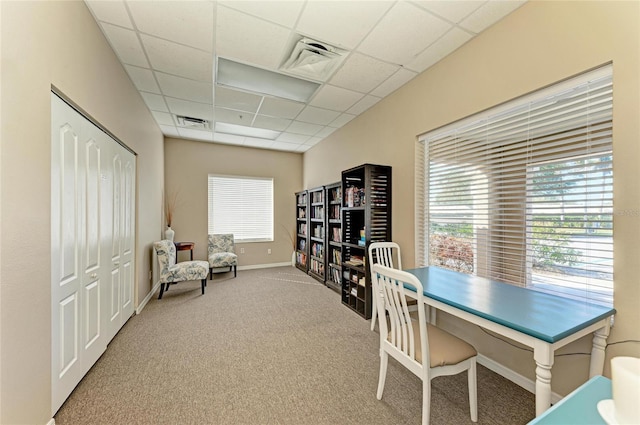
column 523, row 193
column 242, row 206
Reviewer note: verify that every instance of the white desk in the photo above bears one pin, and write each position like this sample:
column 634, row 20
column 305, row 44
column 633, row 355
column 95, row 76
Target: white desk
column 538, row 320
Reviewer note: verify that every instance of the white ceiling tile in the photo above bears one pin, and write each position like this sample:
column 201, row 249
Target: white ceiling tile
column 113, row 12
column 163, row 118
column 325, row 132
column 189, row 133
column 185, row 22
column 403, row 33
column 317, row 115
column 232, row 116
column 342, row 23
column 282, row 146
column 236, row 99
column 177, row 59
column 438, row 50
column 249, row 39
column 335, row 98
column 126, row 45
column 313, row 141
column 169, row 130
column 184, row 88
column 364, row 104
column 490, row 13
column 454, row 11
column 190, row 109
column 303, row 148
column 228, row 138
column 341, row 120
column 394, row 82
column 298, row 127
column 292, row 138
column 362, row 73
column 143, row 79
column 257, row 143
column 155, row 102
column 271, row 123
column 280, row 107
column 280, row 12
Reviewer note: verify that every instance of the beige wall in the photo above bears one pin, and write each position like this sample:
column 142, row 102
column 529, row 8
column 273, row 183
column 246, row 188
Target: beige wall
column 59, row 44
column 187, row 165
column 537, row 45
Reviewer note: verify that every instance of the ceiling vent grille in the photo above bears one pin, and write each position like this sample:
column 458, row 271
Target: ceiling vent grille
column 193, row 123
column 313, row 59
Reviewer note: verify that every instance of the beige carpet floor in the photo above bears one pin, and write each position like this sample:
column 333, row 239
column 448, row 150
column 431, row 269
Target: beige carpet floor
column 272, row 346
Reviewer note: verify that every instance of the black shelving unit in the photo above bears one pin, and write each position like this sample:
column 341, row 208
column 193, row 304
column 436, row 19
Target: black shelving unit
column 317, row 229
column 366, row 218
column 302, row 230
column 333, row 267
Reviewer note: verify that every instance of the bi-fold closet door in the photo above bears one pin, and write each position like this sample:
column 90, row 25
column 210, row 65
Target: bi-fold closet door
column 92, row 243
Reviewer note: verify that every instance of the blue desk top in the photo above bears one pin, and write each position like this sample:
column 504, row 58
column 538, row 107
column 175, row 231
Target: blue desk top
column 543, row 316
column 580, row 407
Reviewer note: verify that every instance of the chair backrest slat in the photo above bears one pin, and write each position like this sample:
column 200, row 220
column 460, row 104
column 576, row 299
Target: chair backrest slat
column 399, row 330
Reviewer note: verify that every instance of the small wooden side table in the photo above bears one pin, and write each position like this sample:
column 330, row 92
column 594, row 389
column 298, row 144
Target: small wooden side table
column 184, row 246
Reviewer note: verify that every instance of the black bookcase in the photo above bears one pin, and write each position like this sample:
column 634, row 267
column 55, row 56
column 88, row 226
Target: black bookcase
column 317, row 230
column 366, row 218
column 302, row 230
column 333, row 199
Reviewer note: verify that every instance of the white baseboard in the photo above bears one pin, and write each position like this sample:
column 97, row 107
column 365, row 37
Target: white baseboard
column 52, row 422
column 148, row 297
column 264, row 266
column 514, row 377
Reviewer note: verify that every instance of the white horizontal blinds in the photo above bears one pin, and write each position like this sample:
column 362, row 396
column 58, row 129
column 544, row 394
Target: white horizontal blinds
column 515, row 194
column 242, row 206
column 420, row 205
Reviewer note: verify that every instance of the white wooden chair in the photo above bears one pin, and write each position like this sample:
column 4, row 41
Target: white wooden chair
column 382, row 253
column 424, row 349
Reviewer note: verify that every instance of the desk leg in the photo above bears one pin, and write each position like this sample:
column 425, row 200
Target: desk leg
column 543, row 355
column 596, row 365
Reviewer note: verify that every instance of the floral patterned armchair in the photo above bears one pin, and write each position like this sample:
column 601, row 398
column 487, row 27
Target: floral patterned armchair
column 222, row 253
column 172, row 272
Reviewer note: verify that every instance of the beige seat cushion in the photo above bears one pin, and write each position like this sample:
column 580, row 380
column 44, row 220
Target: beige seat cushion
column 445, row 349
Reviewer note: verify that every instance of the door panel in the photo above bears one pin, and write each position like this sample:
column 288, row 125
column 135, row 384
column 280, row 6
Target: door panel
column 92, row 316
column 68, row 335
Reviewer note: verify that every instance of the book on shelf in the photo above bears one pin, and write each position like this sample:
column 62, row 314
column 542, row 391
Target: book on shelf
column 355, row 261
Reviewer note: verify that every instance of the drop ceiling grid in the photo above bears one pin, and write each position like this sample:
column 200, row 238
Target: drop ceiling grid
column 168, row 50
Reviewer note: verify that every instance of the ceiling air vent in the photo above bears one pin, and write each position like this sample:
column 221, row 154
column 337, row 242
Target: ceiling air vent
column 194, row 123
column 313, row 59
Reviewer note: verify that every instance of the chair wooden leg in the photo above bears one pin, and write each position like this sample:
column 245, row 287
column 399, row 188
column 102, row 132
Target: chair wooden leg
column 426, row 400
column 235, row 272
column 473, row 391
column 384, row 360
column 161, row 291
column 204, row 283
column 211, row 273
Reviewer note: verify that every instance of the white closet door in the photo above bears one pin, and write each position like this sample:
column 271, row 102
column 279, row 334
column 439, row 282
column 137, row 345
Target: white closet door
column 67, row 234
column 119, row 294
column 92, row 210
